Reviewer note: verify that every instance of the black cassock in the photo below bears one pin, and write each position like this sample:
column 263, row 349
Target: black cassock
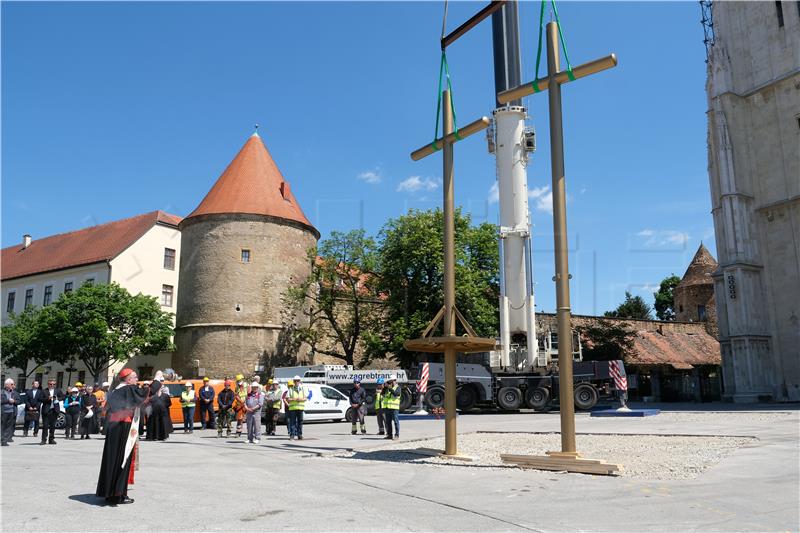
column 120, row 406
column 159, row 425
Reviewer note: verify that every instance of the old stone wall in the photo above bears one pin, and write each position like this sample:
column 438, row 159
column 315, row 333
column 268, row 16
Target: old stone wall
column 229, row 311
column 688, row 301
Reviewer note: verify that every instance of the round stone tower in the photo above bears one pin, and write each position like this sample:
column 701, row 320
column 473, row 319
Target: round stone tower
column 693, row 297
column 245, row 243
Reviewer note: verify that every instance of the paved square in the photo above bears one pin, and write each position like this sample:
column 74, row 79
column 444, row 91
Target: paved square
column 198, row 482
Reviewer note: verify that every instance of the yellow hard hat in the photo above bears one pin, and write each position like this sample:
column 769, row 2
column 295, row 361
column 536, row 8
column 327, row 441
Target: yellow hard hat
column 78, row 384
column 239, row 377
column 205, row 379
column 290, row 383
column 270, row 382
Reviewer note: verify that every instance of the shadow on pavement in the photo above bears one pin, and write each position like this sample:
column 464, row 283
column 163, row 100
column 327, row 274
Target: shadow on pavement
column 89, row 499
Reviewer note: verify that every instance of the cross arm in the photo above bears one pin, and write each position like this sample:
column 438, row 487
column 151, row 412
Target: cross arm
column 592, row 67
column 470, row 129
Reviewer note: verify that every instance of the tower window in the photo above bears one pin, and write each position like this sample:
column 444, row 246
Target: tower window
column 779, row 11
column 12, row 296
column 701, row 313
column 245, row 256
column 166, row 295
column 169, row 259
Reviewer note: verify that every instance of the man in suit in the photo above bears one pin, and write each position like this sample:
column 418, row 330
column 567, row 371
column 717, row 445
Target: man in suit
column 10, row 401
column 206, row 395
column 51, row 407
column 33, row 407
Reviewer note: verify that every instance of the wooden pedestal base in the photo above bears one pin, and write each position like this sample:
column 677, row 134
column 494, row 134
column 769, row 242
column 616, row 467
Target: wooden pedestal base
column 562, row 462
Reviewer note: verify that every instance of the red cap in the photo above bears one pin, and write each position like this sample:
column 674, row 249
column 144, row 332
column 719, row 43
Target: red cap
column 125, row 372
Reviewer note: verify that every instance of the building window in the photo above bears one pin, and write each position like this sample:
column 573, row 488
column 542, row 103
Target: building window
column 68, row 286
column 28, row 298
column 48, row 295
column 89, row 281
column 22, row 381
column 245, row 256
column 701, row 313
column 169, row 258
column 12, row 297
column 166, row 295
column 779, row 11
column 82, row 376
column 60, row 379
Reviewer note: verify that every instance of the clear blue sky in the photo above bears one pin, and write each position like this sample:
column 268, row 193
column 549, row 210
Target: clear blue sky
column 112, row 110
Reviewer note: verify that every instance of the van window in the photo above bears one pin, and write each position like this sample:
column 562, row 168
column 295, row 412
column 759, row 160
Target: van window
column 332, row 394
column 175, row 389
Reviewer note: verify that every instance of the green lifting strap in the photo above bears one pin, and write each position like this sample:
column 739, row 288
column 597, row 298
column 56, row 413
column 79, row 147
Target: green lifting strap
column 444, row 68
column 570, row 75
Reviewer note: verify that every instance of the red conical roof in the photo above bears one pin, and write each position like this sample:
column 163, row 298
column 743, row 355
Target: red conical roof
column 253, row 184
column 700, row 269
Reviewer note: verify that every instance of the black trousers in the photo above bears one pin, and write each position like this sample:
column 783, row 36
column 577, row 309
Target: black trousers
column 49, row 426
column 72, row 424
column 7, row 423
column 207, row 422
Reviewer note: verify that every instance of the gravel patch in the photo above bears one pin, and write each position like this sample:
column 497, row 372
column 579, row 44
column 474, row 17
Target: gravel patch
column 646, row 457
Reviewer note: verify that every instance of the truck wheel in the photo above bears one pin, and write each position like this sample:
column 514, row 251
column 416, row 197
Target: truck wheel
column 434, row 398
column 537, row 398
column 466, row 397
column 350, row 415
column 585, row 396
column 509, row 398
column 405, row 399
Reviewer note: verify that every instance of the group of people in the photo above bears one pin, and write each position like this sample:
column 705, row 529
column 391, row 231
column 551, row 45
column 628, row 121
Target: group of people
column 387, row 407
column 82, row 405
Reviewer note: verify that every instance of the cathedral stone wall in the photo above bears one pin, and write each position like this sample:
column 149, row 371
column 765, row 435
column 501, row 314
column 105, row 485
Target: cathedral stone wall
column 229, row 313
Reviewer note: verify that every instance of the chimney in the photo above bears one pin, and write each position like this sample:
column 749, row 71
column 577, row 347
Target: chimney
column 26, row 241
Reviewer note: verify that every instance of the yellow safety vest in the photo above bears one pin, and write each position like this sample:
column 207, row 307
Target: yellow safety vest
column 378, row 400
column 297, row 399
column 277, row 403
column 390, row 401
column 187, row 399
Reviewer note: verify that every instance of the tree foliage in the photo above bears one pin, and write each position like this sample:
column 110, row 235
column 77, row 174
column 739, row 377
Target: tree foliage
column 607, row 341
column 103, row 324
column 411, row 264
column 25, row 340
column 632, row 307
column 339, row 301
column 665, row 298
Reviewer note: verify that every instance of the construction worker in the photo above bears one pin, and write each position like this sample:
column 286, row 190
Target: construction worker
column 379, row 404
column 206, row 395
column 187, row 405
column 296, row 399
column 273, row 404
column 240, row 396
column 225, row 402
column 391, row 407
column 358, row 397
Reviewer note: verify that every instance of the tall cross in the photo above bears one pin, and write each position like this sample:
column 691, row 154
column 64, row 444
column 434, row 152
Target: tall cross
column 449, row 343
column 552, row 83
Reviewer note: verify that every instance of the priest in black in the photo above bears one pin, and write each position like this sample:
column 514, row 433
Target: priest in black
column 159, row 425
column 115, row 469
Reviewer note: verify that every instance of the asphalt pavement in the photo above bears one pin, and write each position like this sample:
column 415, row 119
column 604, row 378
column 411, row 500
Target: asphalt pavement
column 201, row 483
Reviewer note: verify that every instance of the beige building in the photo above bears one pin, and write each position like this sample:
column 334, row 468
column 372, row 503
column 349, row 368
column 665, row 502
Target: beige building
column 753, row 92
column 140, row 253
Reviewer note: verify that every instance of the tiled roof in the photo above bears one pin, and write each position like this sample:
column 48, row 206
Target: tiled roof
column 681, row 350
column 81, row 247
column 700, row 269
column 252, row 184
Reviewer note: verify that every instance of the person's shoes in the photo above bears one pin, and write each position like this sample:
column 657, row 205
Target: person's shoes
column 257, row 441
column 35, row 434
column 112, row 501
column 25, row 434
column 81, row 437
column 238, row 434
column 123, row 500
column 388, row 437
column 228, row 434
column 353, row 432
column 191, row 431
column 249, row 442
column 381, row 432
column 52, row 442
column 396, row 437
column 72, row 437
column 42, row 443
column 88, row 437
column 299, row 437
column 4, row 444
column 363, row 431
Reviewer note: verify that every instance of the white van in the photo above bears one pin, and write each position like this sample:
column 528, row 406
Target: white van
column 323, row 403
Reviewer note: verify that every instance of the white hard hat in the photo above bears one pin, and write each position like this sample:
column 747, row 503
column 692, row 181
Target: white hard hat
column 106, row 384
column 254, row 384
column 74, row 389
column 296, row 378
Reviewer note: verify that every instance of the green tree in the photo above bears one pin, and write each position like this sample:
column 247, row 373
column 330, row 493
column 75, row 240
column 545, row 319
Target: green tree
column 665, row 298
column 101, row 324
column 632, row 307
column 339, row 300
column 607, row 341
column 411, row 264
column 25, row 340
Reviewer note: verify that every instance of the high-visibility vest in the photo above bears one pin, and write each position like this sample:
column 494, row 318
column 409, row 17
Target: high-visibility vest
column 187, row 398
column 378, row 400
column 297, row 399
column 276, row 404
column 390, row 401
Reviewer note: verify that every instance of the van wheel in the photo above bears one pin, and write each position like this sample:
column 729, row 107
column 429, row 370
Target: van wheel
column 466, row 397
column 350, row 415
column 537, row 398
column 585, row 396
column 434, row 398
column 509, row 398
